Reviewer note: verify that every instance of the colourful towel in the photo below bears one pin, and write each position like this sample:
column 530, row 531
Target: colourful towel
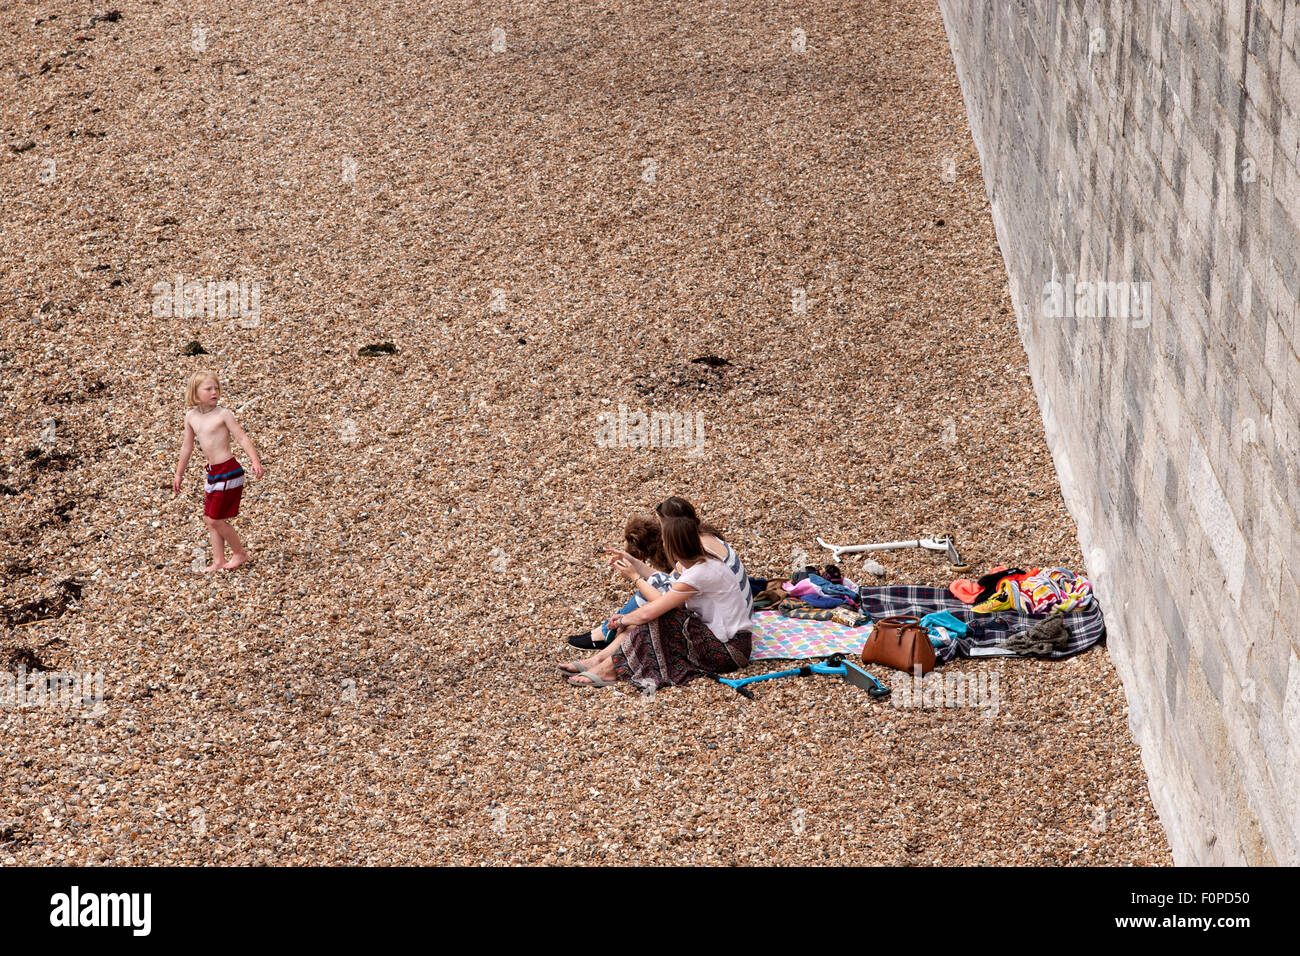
column 1047, row 590
column 784, row 638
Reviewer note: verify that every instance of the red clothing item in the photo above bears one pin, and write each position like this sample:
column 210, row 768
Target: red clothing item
column 223, row 490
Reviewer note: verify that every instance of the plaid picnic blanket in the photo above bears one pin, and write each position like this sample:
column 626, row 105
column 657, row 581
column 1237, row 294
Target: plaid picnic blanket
column 1087, row 627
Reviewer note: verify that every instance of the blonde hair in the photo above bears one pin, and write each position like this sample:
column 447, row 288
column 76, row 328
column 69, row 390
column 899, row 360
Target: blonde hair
column 196, row 382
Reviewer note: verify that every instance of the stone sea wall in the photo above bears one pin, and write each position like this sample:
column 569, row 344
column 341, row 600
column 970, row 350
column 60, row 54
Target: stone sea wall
column 1141, row 162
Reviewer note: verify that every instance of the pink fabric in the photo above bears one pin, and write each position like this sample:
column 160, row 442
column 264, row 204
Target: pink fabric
column 807, row 587
column 965, row 590
column 803, row 587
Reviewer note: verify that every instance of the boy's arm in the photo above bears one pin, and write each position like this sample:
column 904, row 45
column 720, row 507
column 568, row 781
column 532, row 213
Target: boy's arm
column 187, row 449
column 646, row 589
column 242, row 437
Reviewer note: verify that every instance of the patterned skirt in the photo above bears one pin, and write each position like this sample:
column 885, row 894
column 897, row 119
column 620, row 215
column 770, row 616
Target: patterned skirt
column 676, row 648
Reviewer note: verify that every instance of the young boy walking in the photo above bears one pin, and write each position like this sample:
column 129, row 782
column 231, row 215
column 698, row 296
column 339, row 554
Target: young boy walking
column 213, row 426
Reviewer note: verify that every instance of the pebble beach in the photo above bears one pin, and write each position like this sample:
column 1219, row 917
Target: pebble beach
column 766, row 225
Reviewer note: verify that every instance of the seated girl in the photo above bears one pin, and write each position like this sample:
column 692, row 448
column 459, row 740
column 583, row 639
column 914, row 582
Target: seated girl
column 700, row 627
column 652, row 574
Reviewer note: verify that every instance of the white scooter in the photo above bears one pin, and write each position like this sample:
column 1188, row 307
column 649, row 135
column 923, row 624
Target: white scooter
column 943, row 544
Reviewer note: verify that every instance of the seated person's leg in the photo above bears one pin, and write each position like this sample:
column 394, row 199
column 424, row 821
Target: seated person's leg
column 634, row 602
column 599, row 636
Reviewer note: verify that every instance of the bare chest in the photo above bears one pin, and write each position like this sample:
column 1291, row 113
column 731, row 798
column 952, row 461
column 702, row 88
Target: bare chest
column 211, row 432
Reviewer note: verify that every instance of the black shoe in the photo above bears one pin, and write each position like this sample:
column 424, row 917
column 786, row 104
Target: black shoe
column 584, row 642
column 833, row 574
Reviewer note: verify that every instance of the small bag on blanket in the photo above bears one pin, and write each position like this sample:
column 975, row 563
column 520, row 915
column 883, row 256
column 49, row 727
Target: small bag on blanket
column 900, row 643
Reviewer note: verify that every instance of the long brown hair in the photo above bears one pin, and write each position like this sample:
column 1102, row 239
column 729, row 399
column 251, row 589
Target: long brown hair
column 678, row 507
column 645, row 542
column 681, row 537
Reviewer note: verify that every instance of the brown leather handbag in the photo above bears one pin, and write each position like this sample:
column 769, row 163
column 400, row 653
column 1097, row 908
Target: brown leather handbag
column 899, row 642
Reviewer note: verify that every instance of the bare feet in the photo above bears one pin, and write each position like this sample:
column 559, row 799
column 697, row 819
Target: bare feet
column 601, row 671
column 236, row 560
column 592, row 663
column 214, row 566
column 573, row 667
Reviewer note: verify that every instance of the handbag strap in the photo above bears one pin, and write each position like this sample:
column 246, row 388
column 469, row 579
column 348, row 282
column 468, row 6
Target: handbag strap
column 900, row 621
column 898, row 625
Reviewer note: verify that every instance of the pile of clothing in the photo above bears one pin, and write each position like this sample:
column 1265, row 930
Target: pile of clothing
column 1040, row 591
column 1043, row 612
column 811, row 596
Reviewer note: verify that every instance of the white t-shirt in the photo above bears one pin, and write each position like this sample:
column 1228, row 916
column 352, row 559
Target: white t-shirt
column 722, row 597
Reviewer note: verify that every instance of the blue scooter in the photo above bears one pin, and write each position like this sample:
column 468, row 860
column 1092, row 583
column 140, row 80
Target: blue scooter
column 836, row 666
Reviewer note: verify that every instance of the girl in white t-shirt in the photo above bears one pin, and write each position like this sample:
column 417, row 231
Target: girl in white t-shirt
column 700, row 627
